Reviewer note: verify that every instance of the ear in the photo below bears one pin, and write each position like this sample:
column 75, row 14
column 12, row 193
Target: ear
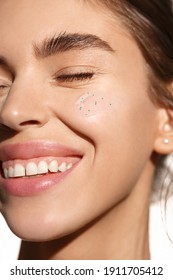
column 164, row 140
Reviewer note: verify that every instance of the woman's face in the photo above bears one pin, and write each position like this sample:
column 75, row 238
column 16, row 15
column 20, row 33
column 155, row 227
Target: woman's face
column 74, row 90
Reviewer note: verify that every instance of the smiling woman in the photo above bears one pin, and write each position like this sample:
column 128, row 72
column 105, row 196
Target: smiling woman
column 85, row 114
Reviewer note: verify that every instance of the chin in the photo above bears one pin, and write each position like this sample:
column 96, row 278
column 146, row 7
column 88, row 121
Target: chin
column 40, row 227
column 37, row 233
column 36, row 228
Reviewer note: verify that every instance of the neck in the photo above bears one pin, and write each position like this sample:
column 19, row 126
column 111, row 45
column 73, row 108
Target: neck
column 121, row 233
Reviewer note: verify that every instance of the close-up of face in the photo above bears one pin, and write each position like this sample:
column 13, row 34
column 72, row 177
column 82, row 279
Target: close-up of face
column 78, row 128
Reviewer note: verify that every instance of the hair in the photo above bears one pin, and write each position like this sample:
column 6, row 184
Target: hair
column 150, row 22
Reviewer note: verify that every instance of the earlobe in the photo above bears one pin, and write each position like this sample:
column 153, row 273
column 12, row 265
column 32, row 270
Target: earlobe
column 164, row 140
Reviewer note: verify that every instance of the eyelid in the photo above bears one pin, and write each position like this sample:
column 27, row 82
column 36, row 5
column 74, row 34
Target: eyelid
column 2, row 85
column 5, row 83
column 74, row 75
column 75, row 69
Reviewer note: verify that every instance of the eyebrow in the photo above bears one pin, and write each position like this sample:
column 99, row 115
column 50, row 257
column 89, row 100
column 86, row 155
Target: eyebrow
column 69, row 41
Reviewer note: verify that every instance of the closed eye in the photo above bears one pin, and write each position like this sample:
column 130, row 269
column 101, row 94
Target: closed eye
column 4, row 89
column 81, row 76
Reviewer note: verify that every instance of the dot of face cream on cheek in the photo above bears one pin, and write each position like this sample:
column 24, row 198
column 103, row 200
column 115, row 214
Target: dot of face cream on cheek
column 94, row 103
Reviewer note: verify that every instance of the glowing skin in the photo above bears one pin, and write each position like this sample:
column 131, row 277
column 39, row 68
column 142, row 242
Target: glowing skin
column 100, row 209
column 92, row 104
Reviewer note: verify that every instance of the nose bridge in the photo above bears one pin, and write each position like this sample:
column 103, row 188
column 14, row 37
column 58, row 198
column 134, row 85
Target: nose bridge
column 23, row 105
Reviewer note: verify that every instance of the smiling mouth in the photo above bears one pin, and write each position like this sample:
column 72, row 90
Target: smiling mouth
column 33, row 167
column 35, row 178
column 36, row 158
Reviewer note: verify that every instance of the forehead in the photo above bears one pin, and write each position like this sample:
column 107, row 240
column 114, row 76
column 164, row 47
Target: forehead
column 23, row 21
column 48, row 10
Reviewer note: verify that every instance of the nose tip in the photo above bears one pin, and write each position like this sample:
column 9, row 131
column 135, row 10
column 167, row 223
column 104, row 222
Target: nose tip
column 16, row 120
column 18, row 114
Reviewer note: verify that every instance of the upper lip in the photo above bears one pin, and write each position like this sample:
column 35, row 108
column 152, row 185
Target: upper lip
column 34, row 149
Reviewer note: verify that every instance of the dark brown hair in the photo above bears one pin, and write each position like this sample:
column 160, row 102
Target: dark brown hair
column 150, row 22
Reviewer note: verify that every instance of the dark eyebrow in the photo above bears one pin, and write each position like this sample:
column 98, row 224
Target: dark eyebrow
column 69, row 41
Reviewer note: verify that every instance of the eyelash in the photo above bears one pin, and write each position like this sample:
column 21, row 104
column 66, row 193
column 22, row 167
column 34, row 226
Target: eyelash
column 2, row 87
column 75, row 77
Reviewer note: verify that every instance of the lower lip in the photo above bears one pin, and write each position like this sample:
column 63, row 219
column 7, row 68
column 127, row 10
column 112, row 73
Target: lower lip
column 30, row 186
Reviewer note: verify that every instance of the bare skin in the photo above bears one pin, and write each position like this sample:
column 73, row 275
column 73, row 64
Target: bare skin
column 100, row 209
column 124, row 238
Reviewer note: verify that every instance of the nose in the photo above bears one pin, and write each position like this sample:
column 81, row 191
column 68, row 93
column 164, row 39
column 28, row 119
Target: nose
column 22, row 109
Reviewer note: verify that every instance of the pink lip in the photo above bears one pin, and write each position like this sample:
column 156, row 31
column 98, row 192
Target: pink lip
column 35, row 149
column 29, row 186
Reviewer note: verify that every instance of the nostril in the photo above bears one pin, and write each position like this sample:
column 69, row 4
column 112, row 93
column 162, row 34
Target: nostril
column 32, row 122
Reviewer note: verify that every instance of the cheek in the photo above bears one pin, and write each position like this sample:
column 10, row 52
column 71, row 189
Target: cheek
column 120, row 122
column 111, row 113
column 95, row 103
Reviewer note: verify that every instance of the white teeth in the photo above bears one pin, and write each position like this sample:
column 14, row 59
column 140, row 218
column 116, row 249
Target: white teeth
column 19, row 170
column 5, row 172
column 53, row 166
column 62, row 167
column 10, row 172
column 69, row 166
column 31, row 169
column 42, row 167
